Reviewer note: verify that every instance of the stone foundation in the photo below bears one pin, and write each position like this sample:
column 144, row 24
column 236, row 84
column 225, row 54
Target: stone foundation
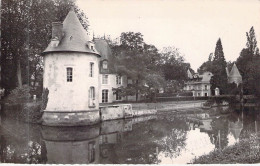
column 73, row 133
column 76, row 118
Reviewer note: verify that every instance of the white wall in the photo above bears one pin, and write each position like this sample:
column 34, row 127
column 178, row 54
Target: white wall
column 109, row 86
column 70, row 96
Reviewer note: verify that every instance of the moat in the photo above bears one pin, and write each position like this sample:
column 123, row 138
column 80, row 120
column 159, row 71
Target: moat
column 166, row 138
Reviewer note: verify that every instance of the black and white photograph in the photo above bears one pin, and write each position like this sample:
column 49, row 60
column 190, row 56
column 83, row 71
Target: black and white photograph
column 130, row 82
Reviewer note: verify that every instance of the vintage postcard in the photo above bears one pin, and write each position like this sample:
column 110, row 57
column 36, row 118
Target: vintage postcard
column 130, row 82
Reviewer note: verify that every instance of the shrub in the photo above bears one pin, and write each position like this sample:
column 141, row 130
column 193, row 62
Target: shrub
column 19, row 95
column 20, row 106
column 245, row 151
column 26, row 112
column 186, row 98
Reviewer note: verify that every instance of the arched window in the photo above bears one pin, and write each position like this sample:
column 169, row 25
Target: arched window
column 104, row 65
column 92, row 96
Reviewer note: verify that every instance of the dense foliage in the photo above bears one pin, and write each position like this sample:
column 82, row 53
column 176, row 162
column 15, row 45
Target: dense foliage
column 146, row 66
column 19, row 95
column 246, row 151
column 26, row 30
column 216, row 64
column 248, row 64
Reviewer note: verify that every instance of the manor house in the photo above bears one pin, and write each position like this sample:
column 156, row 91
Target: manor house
column 79, row 75
column 198, row 84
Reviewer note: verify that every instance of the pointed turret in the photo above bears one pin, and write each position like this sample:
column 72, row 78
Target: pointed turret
column 235, row 128
column 70, row 36
column 234, row 75
column 71, row 76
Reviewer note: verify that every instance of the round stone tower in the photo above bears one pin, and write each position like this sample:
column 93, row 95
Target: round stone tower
column 71, row 76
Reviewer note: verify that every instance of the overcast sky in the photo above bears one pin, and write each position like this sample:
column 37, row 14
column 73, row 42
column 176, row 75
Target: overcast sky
column 192, row 26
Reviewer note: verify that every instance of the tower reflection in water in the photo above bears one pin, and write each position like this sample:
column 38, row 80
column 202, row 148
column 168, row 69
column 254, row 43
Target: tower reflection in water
column 85, row 145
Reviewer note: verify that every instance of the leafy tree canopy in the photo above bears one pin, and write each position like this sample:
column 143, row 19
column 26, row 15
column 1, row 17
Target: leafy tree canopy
column 26, row 31
column 248, row 64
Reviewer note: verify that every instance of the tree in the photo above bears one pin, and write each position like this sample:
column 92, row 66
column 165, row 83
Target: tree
column 206, row 66
column 248, row 64
column 218, row 69
column 26, row 30
column 172, row 63
column 138, row 61
column 251, row 42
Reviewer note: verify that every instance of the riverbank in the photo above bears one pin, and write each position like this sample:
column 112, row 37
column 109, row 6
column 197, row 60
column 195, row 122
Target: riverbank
column 163, row 106
column 244, row 152
column 121, row 111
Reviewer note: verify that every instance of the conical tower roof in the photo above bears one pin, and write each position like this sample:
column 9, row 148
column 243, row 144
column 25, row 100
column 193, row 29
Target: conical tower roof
column 234, row 75
column 234, row 72
column 74, row 38
column 235, row 128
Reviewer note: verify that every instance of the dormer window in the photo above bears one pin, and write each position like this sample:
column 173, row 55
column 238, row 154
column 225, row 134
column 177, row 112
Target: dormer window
column 118, row 80
column 104, row 65
column 91, row 46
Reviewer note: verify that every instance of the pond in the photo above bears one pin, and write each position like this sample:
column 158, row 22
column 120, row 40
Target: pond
column 167, row 138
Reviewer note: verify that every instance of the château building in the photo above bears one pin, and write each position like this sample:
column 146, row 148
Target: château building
column 198, row 84
column 108, row 78
column 79, row 74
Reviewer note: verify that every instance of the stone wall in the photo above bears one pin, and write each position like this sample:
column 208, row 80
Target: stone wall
column 77, row 118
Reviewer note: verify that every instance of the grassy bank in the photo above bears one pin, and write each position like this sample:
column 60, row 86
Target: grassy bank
column 245, row 151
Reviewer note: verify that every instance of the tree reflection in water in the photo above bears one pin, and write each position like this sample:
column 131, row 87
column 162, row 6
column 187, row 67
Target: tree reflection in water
column 144, row 140
column 22, row 151
column 165, row 135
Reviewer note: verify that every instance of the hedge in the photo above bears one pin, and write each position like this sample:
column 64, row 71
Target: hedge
column 26, row 112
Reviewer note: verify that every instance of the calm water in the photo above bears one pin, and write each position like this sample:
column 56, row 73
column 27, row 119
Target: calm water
column 163, row 139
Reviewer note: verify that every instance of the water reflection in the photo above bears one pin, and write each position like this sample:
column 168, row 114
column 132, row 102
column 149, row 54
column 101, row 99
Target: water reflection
column 166, row 138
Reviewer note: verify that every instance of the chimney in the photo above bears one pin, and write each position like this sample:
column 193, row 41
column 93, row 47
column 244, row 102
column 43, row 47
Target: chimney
column 57, row 30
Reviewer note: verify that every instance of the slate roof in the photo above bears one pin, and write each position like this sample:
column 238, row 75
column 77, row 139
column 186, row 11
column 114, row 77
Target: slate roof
column 203, row 78
column 103, row 48
column 74, row 39
column 234, row 76
column 234, row 72
column 105, row 51
column 189, row 74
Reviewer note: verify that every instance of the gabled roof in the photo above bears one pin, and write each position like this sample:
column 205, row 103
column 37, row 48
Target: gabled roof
column 189, row 74
column 105, row 51
column 203, row 78
column 206, row 76
column 74, row 39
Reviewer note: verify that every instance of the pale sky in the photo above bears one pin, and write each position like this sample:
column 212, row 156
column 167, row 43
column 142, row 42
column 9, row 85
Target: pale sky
column 193, row 26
